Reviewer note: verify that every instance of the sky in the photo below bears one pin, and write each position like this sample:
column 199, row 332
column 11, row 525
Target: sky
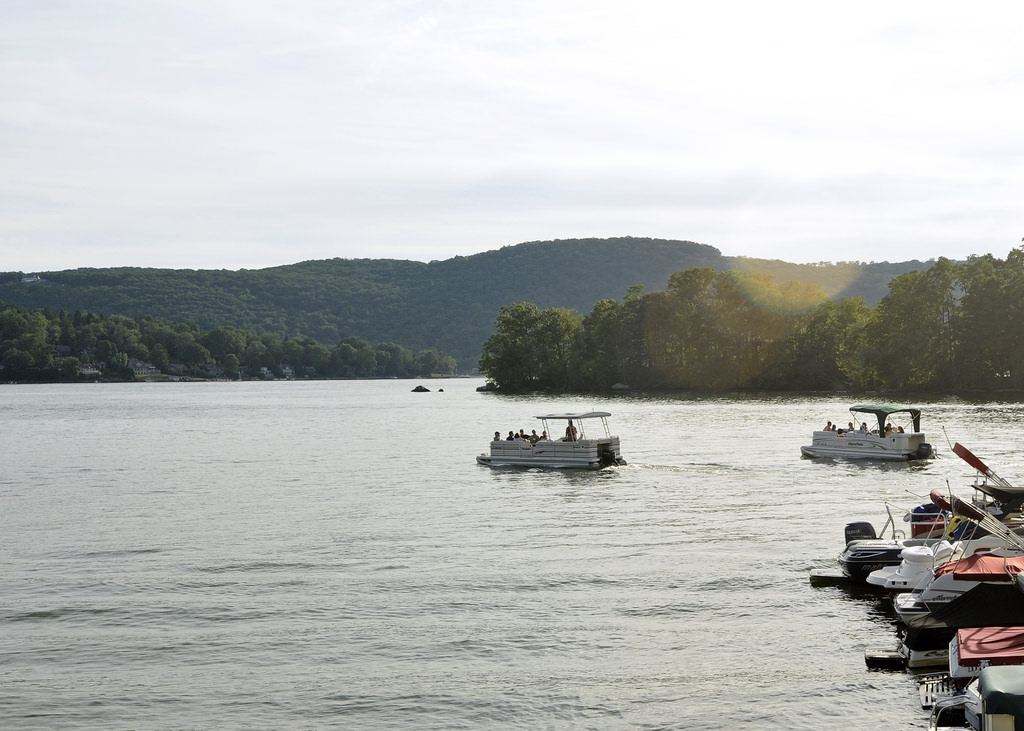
column 231, row 134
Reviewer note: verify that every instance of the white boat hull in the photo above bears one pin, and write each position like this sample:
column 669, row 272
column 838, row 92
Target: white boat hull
column 584, row 454
column 858, row 445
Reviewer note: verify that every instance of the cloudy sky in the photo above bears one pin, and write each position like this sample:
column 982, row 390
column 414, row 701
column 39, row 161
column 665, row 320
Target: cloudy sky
column 251, row 133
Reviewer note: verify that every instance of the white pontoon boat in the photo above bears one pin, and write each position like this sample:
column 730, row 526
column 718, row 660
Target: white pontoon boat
column 569, row 446
column 878, row 438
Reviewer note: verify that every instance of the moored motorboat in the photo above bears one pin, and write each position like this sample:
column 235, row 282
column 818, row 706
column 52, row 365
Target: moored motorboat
column 972, row 584
column 880, row 439
column 919, row 563
column 866, row 551
column 992, row 702
column 573, row 449
column 993, row 495
column 984, row 688
column 972, row 589
column 975, row 648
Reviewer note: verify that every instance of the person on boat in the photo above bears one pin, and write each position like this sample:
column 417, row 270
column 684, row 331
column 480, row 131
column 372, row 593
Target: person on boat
column 533, row 436
column 828, row 426
column 888, row 428
column 497, row 436
column 570, row 432
column 543, row 436
column 864, row 427
column 511, row 437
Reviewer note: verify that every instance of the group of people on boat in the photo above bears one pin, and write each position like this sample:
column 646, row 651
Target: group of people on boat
column 522, row 436
column 571, row 435
column 862, row 429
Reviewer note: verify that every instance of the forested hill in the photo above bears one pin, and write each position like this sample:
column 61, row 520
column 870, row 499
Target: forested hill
column 449, row 305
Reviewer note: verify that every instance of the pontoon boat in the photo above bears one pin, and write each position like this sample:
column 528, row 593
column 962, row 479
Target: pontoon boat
column 878, row 438
column 568, row 446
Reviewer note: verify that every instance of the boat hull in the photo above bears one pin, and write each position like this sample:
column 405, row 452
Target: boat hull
column 584, row 454
column 857, row 445
column 860, row 558
column 960, row 604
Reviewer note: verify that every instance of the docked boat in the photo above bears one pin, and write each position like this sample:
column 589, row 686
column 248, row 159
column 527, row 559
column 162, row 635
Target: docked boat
column 984, row 688
column 973, row 589
column 969, row 583
column 992, row 496
column 886, row 432
column 867, row 551
column 975, row 648
column 578, row 441
column 919, row 563
column 994, row 701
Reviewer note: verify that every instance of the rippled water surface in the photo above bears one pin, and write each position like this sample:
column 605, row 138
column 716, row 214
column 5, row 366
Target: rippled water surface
column 271, row 555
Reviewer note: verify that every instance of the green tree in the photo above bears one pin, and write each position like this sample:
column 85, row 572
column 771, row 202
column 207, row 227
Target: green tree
column 230, row 365
column 224, row 340
column 910, row 340
column 557, row 331
column 394, row 360
column 823, row 346
column 991, row 340
column 596, row 366
column 531, row 348
column 508, row 356
column 70, row 367
column 159, row 357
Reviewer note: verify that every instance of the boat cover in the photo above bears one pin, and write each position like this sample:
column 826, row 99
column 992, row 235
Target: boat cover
column 983, row 567
column 1002, row 691
column 986, row 604
column 997, row 645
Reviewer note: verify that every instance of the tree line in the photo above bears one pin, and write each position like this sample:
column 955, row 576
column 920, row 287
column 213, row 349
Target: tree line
column 446, row 305
column 43, row 345
column 950, row 328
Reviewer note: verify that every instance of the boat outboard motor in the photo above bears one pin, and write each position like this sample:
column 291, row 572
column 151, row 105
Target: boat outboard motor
column 924, row 451
column 860, row 530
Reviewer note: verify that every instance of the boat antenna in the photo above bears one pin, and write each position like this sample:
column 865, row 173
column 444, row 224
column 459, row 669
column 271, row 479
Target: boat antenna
column 947, row 438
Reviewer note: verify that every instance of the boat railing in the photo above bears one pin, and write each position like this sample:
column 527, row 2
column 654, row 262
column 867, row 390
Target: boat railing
column 890, row 523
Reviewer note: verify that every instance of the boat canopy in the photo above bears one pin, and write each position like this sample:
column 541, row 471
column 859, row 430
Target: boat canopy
column 883, row 411
column 992, row 645
column 1002, row 691
column 983, row 567
column 581, row 415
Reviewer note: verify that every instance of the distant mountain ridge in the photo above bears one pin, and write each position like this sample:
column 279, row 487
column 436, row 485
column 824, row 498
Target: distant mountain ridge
column 448, row 305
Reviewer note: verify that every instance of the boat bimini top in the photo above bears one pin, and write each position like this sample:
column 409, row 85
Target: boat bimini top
column 578, row 417
column 882, row 412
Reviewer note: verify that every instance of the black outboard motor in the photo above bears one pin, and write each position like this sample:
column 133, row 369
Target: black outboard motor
column 924, row 451
column 859, row 531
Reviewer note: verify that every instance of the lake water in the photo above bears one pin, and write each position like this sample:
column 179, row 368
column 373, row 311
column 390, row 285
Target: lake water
column 329, row 554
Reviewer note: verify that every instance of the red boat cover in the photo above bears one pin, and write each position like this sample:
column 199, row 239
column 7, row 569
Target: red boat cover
column 983, row 567
column 998, row 645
